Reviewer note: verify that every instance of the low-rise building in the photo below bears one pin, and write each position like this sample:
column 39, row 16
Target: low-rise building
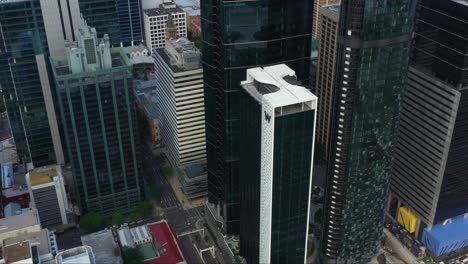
column 26, row 247
column 19, row 225
column 81, row 255
column 47, row 191
column 104, row 247
column 193, row 179
column 131, row 237
column 148, row 106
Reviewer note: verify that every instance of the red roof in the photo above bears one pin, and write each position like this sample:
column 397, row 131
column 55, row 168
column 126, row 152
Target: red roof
column 163, row 235
column 197, row 24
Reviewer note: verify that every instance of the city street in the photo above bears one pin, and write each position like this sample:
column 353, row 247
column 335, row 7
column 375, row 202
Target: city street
column 181, row 220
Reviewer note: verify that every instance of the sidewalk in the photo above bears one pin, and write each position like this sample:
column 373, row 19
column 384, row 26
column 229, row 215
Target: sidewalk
column 187, row 203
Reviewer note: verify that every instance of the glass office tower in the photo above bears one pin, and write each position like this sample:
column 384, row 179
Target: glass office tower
column 121, row 19
column 97, row 110
column 23, row 74
column 373, row 57
column 432, row 147
column 277, row 121
column 238, row 35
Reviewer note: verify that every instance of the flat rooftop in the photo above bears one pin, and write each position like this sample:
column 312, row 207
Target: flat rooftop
column 166, row 244
column 161, row 10
column 104, row 247
column 163, row 55
column 21, row 221
column 17, row 252
column 195, row 170
column 61, row 68
column 37, row 237
column 273, row 85
column 333, row 8
column 42, row 175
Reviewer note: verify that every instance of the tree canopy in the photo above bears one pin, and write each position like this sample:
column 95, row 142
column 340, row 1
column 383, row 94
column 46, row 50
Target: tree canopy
column 92, row 222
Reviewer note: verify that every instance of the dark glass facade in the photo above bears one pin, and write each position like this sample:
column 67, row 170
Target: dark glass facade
column 373, row 55
column 22, row 43
column 292, row 158
column 121, row 19
column 99, row 122
column 441, row 49
column 238, row 35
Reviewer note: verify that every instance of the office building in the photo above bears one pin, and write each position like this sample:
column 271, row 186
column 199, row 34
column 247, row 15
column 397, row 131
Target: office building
column 276, row 148
column 237, row 36
column 326, row 71
column 157, row 20
column 179, row 72
column 47, row 191
column 23, row 76
column 97, row 110
column 316, row 24
column 120, row 19
column 430, row 171
column 373, row 55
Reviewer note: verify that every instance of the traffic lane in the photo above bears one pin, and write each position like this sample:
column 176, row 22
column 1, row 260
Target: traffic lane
column 190, row 252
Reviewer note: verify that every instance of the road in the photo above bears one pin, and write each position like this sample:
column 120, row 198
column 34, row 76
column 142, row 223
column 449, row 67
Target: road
column 177, row 217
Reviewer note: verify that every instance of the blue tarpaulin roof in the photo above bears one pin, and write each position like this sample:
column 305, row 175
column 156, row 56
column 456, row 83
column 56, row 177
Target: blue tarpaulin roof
column 442, row 239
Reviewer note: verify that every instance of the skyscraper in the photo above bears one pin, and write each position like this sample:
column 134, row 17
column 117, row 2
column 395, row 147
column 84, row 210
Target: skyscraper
column 97, row 111
column 23, row 75
column 430, row 171
column 326, row 71
column 317, row 16
column 120, row 19
column 277, row 124
column 237, row 36
column 373, row 57
column 180, row 75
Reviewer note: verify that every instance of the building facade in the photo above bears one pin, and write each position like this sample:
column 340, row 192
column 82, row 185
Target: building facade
column 326, row 71
column 180, row 75
column 120, row 19
column 97, row 110
column 23, row 76
column 156, row 20
column 371, row 73
column 276, row 147
column 316, row 24
column 237, row 36
column 430, row 172
column 47, row 191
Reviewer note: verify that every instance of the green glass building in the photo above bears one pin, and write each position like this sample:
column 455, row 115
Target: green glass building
column 23, row 75
column 373, row 57
column 97, row 111
column 238, row 35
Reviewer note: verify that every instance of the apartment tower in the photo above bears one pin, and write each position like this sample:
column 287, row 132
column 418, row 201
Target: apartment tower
column 373, row 55
column 326, row 71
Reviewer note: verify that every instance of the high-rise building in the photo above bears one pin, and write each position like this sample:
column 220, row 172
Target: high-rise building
column 97, row 111
column 47, row 191
column 373, row 55
column 326, row 71
column 430, row 171
column 180, row 75
column 236, row 36
column 23, row 76
column 277, row 124
column 317, row 16
column 120, row 19
column 156, row 22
